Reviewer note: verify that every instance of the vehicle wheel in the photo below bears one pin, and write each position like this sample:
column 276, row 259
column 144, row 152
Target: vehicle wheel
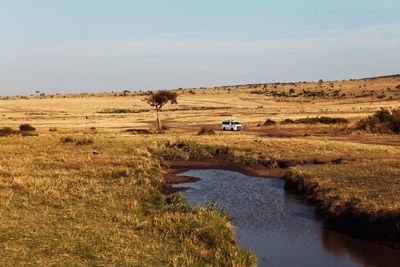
column 223, row 129
column 232, row 129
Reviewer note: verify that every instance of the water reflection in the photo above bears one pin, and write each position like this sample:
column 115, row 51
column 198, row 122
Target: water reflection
column 363, row 252
column 282, row 229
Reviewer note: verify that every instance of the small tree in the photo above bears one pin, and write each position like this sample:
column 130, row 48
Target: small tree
column 158, row 100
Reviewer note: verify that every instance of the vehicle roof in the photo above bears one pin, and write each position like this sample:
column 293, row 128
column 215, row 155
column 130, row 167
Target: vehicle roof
column 230, row 121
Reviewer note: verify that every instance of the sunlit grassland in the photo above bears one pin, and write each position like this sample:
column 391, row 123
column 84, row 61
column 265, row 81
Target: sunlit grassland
column 366, row 186
column 356, row 100
column 100, row 203
column 366, row 176
column 63, row 205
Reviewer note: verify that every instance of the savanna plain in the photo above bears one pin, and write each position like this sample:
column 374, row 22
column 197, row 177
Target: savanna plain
column 84, row 177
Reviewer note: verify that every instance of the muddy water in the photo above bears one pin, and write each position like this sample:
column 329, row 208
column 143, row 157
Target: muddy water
column 281, row 228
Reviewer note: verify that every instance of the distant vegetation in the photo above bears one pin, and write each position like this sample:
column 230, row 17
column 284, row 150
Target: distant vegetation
column 315, row 120
column 122, row 110
column 140, row 131
column 77, row 141
column 7, row 131
column 206, row 131
column 304, row 93
column 26, row 128
column 126, row 110
column 269, row 122
column 383, row 121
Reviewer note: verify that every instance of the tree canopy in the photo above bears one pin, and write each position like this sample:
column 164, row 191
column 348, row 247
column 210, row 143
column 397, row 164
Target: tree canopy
column 160, row 98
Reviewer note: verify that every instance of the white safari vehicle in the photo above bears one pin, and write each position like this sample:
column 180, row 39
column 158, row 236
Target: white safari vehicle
column 231, row 126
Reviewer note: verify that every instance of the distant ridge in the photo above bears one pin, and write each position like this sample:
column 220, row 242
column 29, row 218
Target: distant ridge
column 379, row 77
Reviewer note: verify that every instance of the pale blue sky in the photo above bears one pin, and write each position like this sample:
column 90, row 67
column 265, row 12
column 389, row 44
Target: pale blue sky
column 98, row 45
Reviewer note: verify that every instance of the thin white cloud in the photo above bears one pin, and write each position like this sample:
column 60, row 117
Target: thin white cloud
column 170, row 62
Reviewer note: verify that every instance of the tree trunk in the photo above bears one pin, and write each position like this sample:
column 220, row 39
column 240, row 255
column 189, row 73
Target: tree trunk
column 159, row 121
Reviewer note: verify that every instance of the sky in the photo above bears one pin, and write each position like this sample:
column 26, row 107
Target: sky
column 74, row 46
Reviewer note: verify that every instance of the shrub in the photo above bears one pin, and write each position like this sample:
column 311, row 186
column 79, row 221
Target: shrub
column 315, row 120
column 165, row 128
column 383, row 121
column 269, row 122
column 323, row 120
column 84, row 141
column 206, row 131
column 307, row 93
column 287, row 121
column 67, row 139
column 26, row 128
column 79, row 141
column 53, row 129
column 6, row 131
column 140, row 131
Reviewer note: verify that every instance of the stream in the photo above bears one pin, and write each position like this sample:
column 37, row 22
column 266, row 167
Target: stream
column 282, row 229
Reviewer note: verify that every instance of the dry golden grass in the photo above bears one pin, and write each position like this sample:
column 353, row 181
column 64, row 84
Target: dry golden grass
column 61, row 204
column 81, row 111
column 96, row 200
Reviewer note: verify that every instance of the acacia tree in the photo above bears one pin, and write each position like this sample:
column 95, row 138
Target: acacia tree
column 158, row 100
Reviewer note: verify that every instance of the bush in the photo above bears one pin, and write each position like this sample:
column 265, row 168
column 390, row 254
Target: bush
column 53, row 129
column 315, row 120
column 323, row 120
column 7, row 131
column 269, row 122
column 383, row 121
column 288, row 121
column 84, row 141
column 67, row 139
column 26, row 128
column 78, row 142
column 140, row 131
column 206, row 131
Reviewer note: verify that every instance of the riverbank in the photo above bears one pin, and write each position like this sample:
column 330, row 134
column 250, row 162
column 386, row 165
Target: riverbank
column 343, row 216
column 348, row 211
column 280, row 227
